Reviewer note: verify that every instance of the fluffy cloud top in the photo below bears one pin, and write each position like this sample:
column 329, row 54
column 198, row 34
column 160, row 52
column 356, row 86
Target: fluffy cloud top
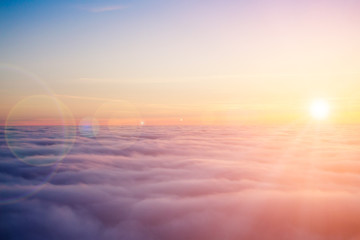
column 289, row 182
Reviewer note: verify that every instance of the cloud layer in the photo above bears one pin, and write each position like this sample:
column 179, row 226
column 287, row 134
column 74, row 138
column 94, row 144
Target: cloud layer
column 288, row 182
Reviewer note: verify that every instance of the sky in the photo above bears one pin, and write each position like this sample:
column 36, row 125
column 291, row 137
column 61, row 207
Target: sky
column 178, row 62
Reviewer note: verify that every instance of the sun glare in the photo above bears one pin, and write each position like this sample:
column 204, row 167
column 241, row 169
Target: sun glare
column 319, row 109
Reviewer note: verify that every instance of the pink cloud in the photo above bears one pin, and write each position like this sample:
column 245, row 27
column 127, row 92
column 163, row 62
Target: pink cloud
column 189, row 183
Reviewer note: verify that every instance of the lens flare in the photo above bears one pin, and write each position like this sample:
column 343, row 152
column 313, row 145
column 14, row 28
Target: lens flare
column 47, row 127
column 120, row 119
column 30, row 143
column 35, row 145
column 88, row 127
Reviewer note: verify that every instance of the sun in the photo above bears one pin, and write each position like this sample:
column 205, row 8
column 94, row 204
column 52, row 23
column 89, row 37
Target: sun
column 319, row 109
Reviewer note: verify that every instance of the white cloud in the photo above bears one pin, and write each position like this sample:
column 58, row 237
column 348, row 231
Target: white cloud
column 189, row 183
column 100, row 9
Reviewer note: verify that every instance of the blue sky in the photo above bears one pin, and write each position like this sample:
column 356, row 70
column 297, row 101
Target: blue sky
column 176, row 53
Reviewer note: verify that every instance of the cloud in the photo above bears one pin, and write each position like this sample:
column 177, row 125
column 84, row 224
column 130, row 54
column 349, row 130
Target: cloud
column 187, row 183
column 100, row 9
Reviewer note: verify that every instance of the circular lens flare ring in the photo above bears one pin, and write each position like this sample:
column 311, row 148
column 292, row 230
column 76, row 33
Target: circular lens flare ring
column 39, row 130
